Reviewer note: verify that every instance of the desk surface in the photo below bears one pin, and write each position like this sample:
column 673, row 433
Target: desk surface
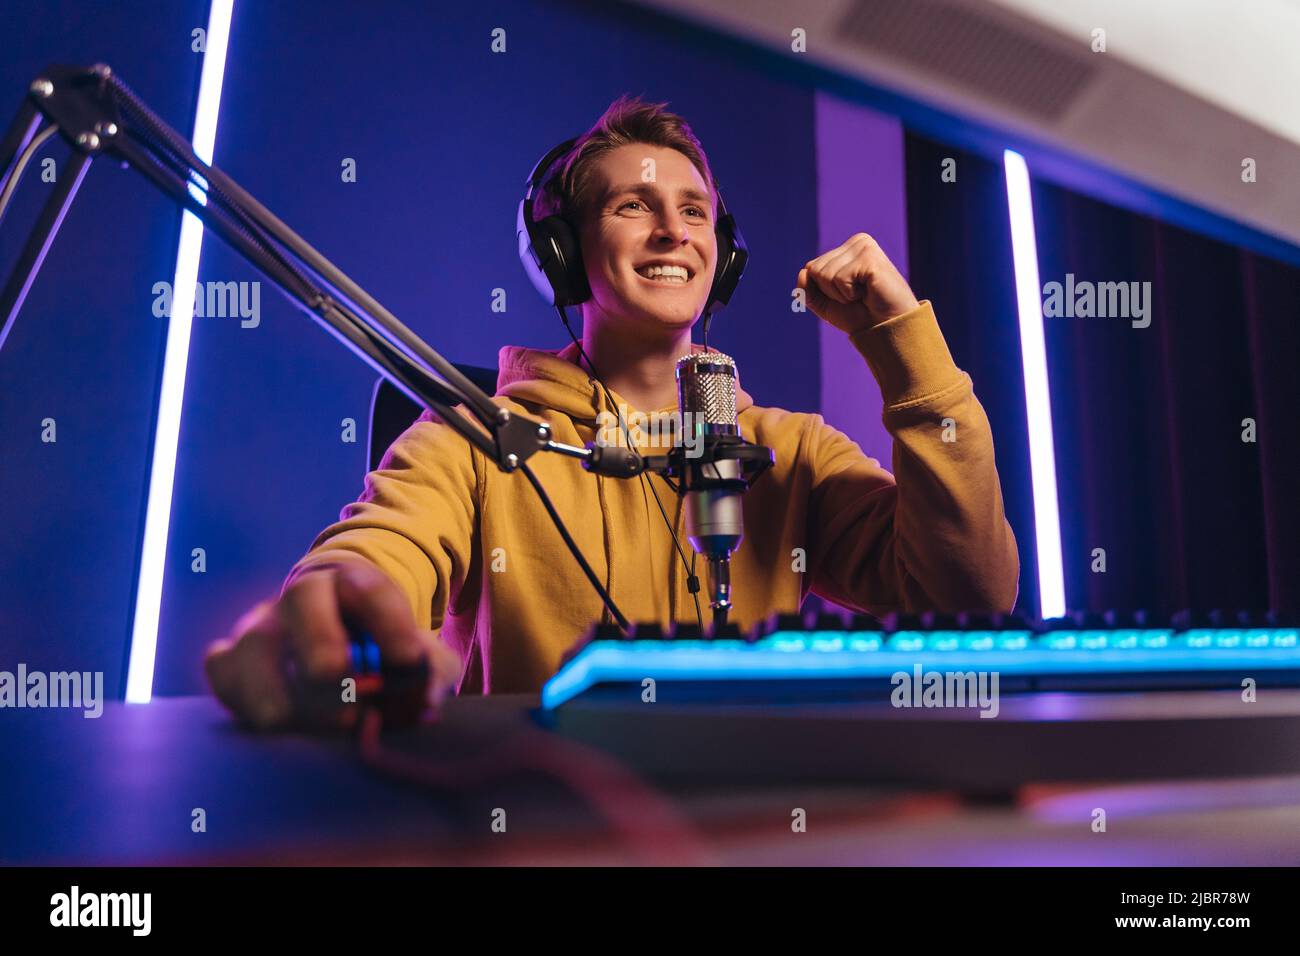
column 123, row 789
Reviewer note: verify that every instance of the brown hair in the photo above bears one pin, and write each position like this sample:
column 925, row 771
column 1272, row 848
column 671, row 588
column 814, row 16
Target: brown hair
column 629, row 119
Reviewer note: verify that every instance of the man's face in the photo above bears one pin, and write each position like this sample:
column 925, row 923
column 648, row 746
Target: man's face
column 639, row 221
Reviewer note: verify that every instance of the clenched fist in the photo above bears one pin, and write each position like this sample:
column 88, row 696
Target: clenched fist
column 855, row 286
column 304, row 635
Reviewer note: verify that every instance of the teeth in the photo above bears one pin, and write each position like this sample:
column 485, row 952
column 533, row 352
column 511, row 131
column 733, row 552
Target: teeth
column 675, row 274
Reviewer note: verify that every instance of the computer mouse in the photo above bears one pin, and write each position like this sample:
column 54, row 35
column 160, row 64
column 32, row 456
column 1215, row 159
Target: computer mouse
column 399, row 692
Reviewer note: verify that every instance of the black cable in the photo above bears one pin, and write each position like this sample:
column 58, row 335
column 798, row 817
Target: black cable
column 573, row 548
column 692, row 582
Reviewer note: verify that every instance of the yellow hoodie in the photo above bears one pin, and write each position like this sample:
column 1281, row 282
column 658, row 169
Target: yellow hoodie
column 479, row 559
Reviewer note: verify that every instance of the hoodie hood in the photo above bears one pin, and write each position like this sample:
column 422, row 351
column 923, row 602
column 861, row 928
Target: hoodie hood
column 552, row 378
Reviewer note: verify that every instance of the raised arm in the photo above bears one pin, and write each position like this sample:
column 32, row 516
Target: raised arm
column 933, row 535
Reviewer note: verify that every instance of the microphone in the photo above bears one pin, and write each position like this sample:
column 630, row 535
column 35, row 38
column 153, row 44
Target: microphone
column 712, row 480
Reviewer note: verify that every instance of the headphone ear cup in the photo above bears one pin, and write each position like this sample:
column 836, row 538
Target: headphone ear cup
column 719, row 270
column 732, row 257
column 559, row 260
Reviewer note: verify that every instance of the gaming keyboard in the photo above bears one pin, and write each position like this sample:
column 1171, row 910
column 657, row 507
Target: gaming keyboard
column 828, row 657
column 1088, row 697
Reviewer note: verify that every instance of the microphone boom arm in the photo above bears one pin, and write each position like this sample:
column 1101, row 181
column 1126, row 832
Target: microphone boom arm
column 98, row 115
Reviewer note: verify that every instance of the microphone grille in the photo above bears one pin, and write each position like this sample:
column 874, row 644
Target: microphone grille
column 706, row 388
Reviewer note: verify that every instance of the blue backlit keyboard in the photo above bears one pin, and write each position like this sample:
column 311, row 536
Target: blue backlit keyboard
column 829, row 658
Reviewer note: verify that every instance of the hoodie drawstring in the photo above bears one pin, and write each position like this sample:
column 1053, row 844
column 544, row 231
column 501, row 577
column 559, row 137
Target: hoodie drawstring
column 598, row 400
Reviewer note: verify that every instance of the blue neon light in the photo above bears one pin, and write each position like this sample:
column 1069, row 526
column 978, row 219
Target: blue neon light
column 1038, row 394
column 162, row 473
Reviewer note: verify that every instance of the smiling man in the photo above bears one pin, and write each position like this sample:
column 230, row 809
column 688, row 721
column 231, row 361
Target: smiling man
column 445, row 557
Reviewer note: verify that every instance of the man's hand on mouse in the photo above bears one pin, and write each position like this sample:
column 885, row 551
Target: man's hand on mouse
column 855, row 286
column 304, row 632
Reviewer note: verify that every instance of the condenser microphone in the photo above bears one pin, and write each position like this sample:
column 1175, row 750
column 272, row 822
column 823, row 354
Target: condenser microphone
column 712, row 481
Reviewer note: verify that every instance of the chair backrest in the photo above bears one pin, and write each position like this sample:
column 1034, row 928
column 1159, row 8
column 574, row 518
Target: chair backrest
column 392, row 413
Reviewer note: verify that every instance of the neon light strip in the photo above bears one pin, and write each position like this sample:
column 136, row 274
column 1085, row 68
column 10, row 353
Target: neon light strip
column 148, row 598
column 1038, row 398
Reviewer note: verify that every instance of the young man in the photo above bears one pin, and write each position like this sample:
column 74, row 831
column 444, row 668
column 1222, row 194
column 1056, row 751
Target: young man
column 446, row 557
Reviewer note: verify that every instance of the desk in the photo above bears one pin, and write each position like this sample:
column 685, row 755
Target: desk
column 121, row 789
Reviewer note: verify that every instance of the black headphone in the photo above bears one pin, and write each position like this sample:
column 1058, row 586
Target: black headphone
column 552, row 257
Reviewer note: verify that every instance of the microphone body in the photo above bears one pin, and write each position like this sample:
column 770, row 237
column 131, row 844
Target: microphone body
column 711, row 481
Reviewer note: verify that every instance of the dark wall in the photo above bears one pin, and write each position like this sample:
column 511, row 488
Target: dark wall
column 1151, row 462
